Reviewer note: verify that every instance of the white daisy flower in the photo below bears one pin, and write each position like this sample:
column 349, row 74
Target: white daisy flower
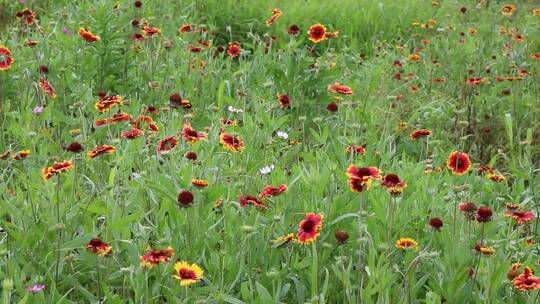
column 282, row 134
column 234, row 110
column 267, row 169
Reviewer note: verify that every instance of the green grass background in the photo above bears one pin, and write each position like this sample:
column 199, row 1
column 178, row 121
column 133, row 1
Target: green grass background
column 129, row 199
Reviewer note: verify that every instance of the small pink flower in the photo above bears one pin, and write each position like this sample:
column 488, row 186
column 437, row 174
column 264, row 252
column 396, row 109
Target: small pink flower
column 35, row 288
column 37, row 109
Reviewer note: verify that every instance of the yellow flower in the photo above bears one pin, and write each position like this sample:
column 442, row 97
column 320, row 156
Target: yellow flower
column 508, row 9
column 188, row 274
column 406, row 243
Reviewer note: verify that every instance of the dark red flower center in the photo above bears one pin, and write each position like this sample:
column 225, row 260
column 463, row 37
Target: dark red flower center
column 364, row 172
column 458, row 163
column 317, row 32
column 186, row 274
column 185, row 198
column 308, row 226
column 191, row 133
column 519, row 213
column 293, row 29
column 357, row 183
column 191, row 155
column 391, row 178
column 469, row 207
column 484, row 212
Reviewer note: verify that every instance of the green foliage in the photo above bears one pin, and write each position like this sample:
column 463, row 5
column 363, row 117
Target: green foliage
column 129, row 199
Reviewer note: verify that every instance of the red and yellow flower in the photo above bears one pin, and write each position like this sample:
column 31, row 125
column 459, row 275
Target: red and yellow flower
column 415, row 57
column 272, row 191
column 508, row 9
column 116, row 118
column 340, row 89
column 6, row 59
column 483, row 169
column 167, row 144
column 309, row 228
column 20, row 155
column 276, row 12
column 496, row 177
column 188, row 274
column 354, row 149
column 191, row 135
column 394, row 184
column 329, row 35
column 234, row 49
column 284, row 240
column 151, row 31
column 106, row 103
column 419, row 133
column 526, row 281
column 149, row 121
column 97, row 246
column 406, row 244
column 476, row 81
column 133, row 133
column 88, row 36
column 185, row 28
column 251, row 200
column 521, row 217
column 317, row 33
column 361, row 177
column 45, row 86
column 484, row 250
column 100, row 150
column 201, row 183
column 57, row 167
column 153, row 257
column 27, row 16
column 458, row 162
column 232, row 143
column 356, row 172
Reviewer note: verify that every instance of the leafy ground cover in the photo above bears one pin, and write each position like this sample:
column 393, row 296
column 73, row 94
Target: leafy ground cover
column 269, row 151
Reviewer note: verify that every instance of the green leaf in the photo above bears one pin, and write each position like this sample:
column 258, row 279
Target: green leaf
column 264, row 295
column 127, row 220
column 230, row 299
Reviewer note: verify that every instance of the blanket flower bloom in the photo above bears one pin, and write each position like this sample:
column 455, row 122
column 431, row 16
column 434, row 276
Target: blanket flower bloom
column 309, row 228
column 188, row 274
column 6, row 59
column 458, row 162
column 153, row 257
column 99, row 247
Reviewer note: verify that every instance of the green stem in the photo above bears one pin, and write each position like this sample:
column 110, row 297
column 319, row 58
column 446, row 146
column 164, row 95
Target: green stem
column 314, row 271
column 146, row 291
column 29, row 197
column 390, row 219
column 98, row 277
column 58, row 231
column 360, row 243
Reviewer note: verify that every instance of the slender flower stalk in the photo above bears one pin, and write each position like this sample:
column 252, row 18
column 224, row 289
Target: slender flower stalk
column 315, row 271
column 59, row 228
column 98, row 278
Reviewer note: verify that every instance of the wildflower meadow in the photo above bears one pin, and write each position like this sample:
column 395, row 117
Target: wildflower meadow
column 301, row 151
